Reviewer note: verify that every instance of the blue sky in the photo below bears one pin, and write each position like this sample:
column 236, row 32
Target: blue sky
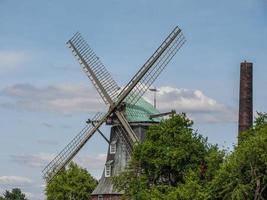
column 45, row 98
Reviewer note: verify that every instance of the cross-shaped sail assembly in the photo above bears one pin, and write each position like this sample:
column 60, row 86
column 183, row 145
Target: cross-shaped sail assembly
column 109, row 92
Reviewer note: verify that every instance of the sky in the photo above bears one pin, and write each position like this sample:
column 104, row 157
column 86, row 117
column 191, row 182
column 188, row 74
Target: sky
column 45, row 98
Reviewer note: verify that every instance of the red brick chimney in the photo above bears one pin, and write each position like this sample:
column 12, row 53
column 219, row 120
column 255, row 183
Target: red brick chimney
column 245, row 97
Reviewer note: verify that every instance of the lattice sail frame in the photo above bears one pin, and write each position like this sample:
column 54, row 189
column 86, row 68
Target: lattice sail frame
column 154, row 66
column 71, row 149
column 94, row 69
column 108, row 90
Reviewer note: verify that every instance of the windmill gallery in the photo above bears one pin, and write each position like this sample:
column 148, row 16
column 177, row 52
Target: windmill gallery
column 129, row 115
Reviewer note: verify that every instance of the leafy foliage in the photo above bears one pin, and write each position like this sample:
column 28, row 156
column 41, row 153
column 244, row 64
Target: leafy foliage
column 15, row 194
column 244, row 173
column 71, row 183
column 174, row 162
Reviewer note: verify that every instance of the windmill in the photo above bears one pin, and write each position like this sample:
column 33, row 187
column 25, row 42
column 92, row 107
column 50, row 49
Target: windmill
column 129, row 114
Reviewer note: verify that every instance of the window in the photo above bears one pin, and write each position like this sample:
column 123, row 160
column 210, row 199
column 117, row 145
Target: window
column 100, row 197
column 108, row 168
column 112, row 147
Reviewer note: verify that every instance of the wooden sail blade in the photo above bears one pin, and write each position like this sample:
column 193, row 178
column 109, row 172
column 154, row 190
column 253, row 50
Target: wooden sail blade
column 94, row 69
column 74, row 146
column 132, row 138
column 145, row 77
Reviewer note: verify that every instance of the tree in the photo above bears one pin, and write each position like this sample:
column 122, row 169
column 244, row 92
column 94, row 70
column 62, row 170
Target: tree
column 243, row 175
column 174, row 162
column 15, row 194
column 71, row 184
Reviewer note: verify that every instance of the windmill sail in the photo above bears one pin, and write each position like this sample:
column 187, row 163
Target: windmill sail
column 125, row 124
column 108, row 90
column 145, row 77
column 62, row 159
column 94, row 69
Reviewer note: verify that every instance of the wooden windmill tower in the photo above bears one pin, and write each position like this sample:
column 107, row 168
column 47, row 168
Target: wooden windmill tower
column 129, row 114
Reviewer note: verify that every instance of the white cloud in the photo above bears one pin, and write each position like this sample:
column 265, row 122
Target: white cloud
column 12, row 59
column 32, row 160
column 42, row 159
column 92, row 162
column 194, row 102
column 7, row 183
column 29, row 195
column 14, row 180
column 58, row 98
column 83, row 98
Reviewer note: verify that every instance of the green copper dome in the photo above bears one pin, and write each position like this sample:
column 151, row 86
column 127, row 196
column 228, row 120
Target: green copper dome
column 141, row 111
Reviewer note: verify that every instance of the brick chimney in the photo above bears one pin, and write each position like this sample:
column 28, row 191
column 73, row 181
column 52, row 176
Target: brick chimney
column 245, row 97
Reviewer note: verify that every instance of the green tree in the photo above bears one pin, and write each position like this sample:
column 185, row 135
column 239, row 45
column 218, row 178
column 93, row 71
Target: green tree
column 174, row 162
column 73, row 183
column 15, row 194
column 243, row 175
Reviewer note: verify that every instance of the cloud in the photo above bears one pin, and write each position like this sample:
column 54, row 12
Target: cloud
column 58, row 98
column 29, row 195
column 92, row 162
column 14, row 180
column 32, row 160
column 42, row 159
column 194, row 102
column 11, row 182
column 82, row 98
column 10, row 60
